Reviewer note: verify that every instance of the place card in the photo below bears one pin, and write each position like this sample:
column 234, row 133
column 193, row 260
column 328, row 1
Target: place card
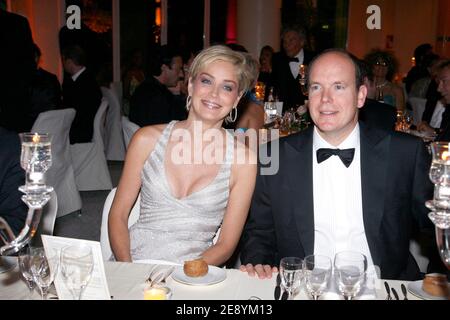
column 97, row 288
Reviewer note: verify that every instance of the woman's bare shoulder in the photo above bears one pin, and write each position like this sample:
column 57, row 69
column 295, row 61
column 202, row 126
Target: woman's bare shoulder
column 145, row 139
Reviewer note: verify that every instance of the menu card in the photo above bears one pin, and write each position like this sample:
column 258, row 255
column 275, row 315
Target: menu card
column 97, row 288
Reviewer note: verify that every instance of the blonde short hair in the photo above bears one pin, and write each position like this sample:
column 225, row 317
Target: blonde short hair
column 244, row 63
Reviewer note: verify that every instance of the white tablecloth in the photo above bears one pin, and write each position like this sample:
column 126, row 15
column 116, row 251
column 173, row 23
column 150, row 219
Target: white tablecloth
column 126, row 282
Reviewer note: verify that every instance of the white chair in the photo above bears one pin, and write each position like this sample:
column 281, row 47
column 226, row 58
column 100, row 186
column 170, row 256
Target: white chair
column 129, row 128
column 418, row 107
column 89, row 161
column 61, row 174
column 114, row 144
column 117, row 88
column 48, row 218
column 104, row 237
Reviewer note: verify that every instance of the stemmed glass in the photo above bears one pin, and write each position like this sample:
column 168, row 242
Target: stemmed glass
column 350, row 272
column 44, row 267
column 291, row 274
column 77, row 264
column 317, row 273
column 25, row 268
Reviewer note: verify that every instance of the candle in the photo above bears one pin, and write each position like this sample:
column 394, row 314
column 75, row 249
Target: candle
column 156, row 293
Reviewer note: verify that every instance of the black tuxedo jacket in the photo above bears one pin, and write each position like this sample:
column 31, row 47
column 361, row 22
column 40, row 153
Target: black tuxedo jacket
column 152, row 103
column 12, row 176
column 84, row 96
column 378, row 115
column 395, row 186
column 286, row 87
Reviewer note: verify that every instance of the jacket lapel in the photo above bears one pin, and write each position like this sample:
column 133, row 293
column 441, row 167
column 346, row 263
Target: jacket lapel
column 300, row 181
column 374, row 165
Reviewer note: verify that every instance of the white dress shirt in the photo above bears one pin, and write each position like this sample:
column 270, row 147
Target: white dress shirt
column 338, row 211
column 296, row 65
column 76, row 75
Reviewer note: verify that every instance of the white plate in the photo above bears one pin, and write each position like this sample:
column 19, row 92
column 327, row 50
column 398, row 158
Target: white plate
column 214, row 275
column 7, row 263
column 416, row 289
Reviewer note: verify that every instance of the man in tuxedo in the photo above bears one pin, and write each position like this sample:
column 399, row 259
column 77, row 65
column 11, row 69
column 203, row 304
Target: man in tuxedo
column 17, row 69
column 12, row 176
column 153, row 102
column 340, row 186
column 285, row 67
column 81, row 92
column 443, row 80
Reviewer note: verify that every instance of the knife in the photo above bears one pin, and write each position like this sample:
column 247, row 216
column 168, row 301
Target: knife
column 277, row 291
column 405, row 293
column 388, row 290
column 395, row 294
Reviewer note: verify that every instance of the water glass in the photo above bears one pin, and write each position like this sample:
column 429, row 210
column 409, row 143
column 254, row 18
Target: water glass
column 24, row 257
column 317, row 272
column 44, row 267
column 77, row 264
column 291, row 274
column 350, row 272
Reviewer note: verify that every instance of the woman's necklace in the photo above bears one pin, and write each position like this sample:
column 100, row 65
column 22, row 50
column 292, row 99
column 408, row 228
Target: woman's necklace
column 379, row 86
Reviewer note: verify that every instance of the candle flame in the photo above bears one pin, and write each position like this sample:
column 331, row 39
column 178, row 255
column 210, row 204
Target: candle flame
column 36, row 138
column 445, row 155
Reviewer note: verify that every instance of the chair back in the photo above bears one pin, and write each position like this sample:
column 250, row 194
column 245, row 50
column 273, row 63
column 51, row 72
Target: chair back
column 61, row 174
column 114, row 144
column 104, row 236
column 89, row 161
column 48, row 218
column 129, row 128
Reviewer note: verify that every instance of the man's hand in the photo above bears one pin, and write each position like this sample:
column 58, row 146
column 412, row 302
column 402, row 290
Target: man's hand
column 263, row 271
column 425, row 127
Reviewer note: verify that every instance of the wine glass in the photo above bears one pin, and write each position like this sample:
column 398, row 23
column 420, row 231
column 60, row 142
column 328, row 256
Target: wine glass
column 291, row 274
column 77, row 264
column 25, row 268
column 317, row 273
column 44, row 267
column 350, row 272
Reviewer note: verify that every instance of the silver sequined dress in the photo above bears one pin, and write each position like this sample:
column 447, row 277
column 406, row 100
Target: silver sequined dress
column 177, row 229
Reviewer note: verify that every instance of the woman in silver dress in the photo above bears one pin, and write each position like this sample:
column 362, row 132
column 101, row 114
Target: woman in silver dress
column 193, row 177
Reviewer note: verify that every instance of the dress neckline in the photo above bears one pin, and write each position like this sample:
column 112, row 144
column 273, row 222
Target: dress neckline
column 168, row 133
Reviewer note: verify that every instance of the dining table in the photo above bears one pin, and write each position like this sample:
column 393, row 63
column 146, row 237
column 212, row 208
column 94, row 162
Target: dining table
column 127, row 281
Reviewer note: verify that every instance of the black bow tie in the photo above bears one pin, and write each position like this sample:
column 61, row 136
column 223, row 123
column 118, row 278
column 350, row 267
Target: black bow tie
column 294, row 59
column 346, row 155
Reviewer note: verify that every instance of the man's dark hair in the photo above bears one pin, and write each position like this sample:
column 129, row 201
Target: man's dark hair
column 296, row 28
column 163, row 55
column 75, row 53
column 421, row 51
column 360, row 72
column 444, row 64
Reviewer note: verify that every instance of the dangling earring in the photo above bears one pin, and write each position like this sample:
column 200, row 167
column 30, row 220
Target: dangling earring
column 233, row 115
column 188, row 103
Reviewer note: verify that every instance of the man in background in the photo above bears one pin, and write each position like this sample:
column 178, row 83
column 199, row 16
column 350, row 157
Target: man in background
column 16, row 69
column 12, row 176
column 81, row 92
column 153, row 102
column 285, row 67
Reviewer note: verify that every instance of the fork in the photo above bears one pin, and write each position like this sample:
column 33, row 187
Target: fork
column 388, row 290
